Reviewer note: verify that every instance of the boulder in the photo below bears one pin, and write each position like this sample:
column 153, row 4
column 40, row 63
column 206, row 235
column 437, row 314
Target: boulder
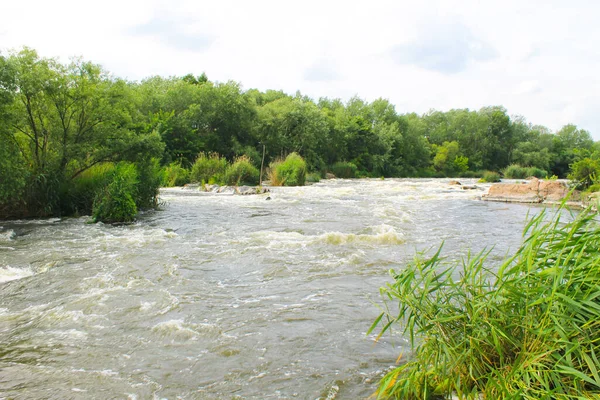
column 329, row 175
column 454, row 183
column 534, row 191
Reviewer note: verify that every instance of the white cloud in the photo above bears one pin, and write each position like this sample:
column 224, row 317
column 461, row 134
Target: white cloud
column 537, row 58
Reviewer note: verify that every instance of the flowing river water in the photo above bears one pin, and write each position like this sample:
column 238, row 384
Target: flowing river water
column 227, row 297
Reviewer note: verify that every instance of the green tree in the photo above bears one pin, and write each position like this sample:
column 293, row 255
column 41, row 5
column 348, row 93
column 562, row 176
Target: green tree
column 64, row 119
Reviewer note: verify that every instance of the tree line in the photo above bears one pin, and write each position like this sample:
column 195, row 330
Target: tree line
column 67, row 129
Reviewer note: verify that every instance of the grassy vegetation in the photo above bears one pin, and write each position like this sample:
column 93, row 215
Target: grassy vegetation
column 116, row 201
column 289, row 172
column 490, row 176
column 345, row 170
column 526, row 329
column 175, row 175
column 242, row 172
column 209, row 168
column 515, row 171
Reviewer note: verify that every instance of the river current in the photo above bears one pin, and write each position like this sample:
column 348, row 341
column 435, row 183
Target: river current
column 227, row 297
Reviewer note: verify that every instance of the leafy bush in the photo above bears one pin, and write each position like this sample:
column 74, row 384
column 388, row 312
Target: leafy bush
column 526, row 329
column 515, row 171
column 290, row 172
column 242, row 172
column 490, row 176
column 460, row 164
column 209, row 168
column 175, row 175
column 344, row 170
column 585, row 173
column 537, row 172
column 115, row 202
column 149, row 176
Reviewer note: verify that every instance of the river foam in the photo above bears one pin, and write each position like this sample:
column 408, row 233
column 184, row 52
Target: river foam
column 11, row 274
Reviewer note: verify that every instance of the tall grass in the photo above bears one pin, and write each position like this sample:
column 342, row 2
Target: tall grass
column 526, row 329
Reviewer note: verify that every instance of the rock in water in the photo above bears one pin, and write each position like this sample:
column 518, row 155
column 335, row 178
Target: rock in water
column 536, row 191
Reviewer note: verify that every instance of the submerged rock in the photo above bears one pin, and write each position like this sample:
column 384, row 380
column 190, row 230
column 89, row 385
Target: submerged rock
column 534, row 191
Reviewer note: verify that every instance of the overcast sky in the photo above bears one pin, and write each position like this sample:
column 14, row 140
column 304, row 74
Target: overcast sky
column 539, row 59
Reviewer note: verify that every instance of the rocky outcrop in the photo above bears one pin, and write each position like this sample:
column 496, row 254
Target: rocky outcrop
column 243, row 190
column 206, row 190
column 534, row 191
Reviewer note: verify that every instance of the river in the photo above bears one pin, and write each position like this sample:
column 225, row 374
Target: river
column 227, row 297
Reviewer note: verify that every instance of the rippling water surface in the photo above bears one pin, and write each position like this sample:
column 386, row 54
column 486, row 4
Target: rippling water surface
column 226, row 297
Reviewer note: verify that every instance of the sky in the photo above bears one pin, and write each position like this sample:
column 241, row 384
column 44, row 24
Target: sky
column 538, row 59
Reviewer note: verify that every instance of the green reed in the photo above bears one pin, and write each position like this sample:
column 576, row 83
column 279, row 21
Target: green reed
column 526, row 329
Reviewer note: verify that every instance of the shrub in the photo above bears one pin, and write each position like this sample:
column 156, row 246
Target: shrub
column 585, row 172
column 242, row 172
column 209, row 168
column 515, row 171
column 175, row 175
column 149, row 176
column 290, row 172
column 344, row 170
column 490, row 176
column 115, row 202
column 537, row 172
column 525, row 329
column 461, row 164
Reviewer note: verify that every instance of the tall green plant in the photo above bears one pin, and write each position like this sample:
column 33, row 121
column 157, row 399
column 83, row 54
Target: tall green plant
column 241, row 172
column 175, row 175
column 116, row 202
column 292, row 170
column 149, row 177
column 526, row 329
column 209, row 168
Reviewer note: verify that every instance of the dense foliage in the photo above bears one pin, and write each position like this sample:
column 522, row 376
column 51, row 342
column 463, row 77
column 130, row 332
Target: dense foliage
column 288, row 172
column 526, row 329
column 59, row 120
